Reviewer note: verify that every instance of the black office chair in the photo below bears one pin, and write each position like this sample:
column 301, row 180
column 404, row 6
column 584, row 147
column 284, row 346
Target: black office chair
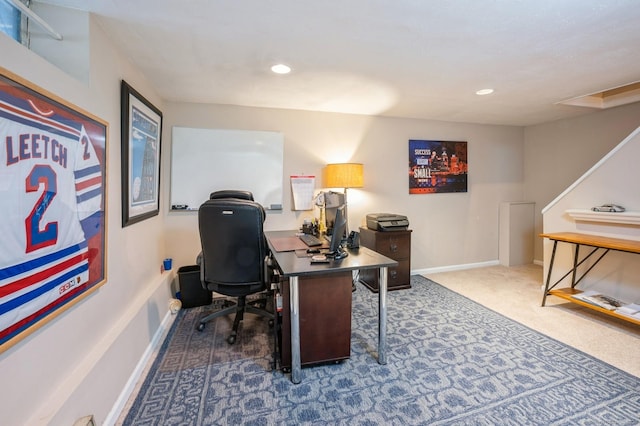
column 234, row 257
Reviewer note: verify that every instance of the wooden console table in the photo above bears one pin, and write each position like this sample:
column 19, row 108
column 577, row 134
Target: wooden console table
column 600, row 245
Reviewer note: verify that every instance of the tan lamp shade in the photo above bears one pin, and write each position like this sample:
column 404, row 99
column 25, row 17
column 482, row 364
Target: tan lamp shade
column 344, row 175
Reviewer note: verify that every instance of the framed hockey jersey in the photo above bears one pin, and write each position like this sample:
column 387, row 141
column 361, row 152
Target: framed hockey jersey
column 52, row 195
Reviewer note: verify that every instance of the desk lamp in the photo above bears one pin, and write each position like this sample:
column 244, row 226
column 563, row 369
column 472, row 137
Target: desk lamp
column 344, row 175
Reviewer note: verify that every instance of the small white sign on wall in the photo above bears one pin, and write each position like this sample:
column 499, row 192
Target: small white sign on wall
column 302, row 189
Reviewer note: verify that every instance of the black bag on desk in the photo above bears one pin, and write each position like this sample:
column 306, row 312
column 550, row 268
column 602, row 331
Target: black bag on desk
column 192, row 293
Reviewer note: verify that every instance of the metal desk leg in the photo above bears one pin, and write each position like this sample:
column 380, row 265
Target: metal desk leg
column 296, row 367
column 382, row 316
column 575, row 266
column 546, row 287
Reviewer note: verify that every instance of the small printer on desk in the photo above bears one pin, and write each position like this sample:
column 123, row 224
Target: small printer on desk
column 387, row 222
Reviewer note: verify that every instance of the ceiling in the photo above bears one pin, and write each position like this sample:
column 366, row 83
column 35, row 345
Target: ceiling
column 400, row 58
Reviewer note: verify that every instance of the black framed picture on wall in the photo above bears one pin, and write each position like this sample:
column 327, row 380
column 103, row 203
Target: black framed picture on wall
column 141, row 140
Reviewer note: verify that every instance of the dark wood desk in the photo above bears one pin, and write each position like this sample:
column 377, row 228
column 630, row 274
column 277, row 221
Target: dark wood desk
column 292, row 267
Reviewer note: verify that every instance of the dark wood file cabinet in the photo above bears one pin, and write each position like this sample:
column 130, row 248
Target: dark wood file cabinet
column 393, row 244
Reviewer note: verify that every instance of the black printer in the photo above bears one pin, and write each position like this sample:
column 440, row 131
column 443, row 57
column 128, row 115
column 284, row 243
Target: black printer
column 387, row 222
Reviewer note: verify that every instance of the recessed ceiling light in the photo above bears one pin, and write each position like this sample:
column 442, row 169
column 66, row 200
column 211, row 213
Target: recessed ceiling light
column 483, row 92
column 281, row 69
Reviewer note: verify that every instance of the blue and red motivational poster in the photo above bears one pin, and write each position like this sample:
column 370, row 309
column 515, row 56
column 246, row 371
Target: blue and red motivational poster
column 437, row 166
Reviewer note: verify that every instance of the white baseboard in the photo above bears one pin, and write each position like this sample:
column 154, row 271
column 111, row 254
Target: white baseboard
column 454, row 268
column 149, row 353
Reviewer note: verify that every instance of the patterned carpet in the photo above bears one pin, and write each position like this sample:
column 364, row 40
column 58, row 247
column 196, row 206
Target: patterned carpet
column 450, row 362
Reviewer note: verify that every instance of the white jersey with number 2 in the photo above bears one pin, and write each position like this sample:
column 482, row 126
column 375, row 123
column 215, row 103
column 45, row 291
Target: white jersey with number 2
column 50, row 181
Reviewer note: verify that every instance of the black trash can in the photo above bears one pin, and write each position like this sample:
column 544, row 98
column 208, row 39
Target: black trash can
column 191, row 292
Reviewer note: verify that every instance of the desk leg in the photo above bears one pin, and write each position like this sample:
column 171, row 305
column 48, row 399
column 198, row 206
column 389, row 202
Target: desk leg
column 575, row 266
column 382, row 316
column 546, row 287
column 296, row 367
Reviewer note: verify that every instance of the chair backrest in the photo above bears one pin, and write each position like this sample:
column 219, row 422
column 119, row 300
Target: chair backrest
column 233, row 246
column 231, row 193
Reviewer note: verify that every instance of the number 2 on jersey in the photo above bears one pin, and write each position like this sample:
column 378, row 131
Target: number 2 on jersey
column 48, row 236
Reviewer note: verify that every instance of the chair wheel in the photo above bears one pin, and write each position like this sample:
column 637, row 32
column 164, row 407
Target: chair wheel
column 231, row 340
column 200, row 326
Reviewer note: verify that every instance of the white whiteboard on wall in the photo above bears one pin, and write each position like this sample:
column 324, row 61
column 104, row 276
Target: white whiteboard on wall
column 207, row 160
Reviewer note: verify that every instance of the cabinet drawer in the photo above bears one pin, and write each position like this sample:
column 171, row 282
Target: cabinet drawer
column 397, row 278
column 393, row 244
column 400, row 275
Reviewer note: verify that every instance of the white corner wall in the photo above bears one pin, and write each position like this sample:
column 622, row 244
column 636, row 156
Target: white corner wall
column 612, row 180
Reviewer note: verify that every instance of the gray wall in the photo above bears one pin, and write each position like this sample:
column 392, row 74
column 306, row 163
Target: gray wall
column 448, row 229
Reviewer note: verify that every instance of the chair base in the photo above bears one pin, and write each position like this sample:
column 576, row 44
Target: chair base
column 239, row 308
